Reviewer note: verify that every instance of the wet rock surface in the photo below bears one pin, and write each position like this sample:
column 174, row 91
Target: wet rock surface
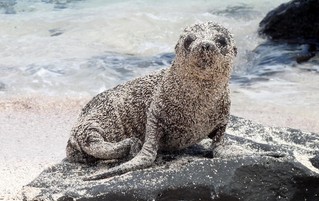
column 254, row 162
column 295, row 21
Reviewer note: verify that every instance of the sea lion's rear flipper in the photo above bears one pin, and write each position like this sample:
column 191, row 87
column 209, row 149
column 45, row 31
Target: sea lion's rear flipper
column 100, row 149
column 144, row 159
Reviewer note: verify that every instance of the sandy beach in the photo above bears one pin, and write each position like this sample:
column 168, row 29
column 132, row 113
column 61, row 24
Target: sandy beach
column 34, row 133
column 35, row 130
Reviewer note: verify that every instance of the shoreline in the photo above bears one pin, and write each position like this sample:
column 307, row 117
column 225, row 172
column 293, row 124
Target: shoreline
column 271, row 113
column 277, row 115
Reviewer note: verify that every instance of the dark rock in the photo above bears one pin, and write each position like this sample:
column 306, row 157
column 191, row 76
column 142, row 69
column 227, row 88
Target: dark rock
column 311, row 50
column 254, row 163
column 295, row 21
column 315, row 161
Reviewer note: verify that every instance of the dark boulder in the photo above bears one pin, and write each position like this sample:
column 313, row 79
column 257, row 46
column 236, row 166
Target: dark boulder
column 254, row 163
column 295, row 21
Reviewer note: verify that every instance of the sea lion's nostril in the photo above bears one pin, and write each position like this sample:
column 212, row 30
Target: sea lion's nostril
column 207, row 47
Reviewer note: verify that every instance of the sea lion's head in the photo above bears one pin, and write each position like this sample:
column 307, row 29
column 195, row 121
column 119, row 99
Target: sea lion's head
column 206, row 50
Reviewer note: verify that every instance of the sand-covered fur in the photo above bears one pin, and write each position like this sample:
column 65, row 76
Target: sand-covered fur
column 169, row 110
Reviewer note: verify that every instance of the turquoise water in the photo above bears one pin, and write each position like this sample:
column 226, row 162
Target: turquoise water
column 81, row 47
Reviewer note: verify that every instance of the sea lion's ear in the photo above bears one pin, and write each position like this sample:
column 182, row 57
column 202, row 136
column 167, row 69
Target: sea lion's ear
column 176, row 47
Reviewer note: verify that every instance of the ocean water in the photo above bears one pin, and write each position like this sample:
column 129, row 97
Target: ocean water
column 82, row 47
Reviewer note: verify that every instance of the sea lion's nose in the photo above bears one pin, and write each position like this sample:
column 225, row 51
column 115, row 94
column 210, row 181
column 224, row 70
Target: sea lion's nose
column 206, row 46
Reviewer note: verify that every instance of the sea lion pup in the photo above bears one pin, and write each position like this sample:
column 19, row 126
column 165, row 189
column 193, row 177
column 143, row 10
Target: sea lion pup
column 170, row 110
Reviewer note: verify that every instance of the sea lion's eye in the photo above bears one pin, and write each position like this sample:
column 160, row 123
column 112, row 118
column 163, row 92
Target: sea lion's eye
column 188, row 41
column 221, row 41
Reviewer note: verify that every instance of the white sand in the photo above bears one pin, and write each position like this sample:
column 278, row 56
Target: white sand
column 34, row 131
column 33, row 136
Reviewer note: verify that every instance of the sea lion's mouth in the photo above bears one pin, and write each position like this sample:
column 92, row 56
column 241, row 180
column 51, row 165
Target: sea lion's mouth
column 204, row 63
column 206, row 57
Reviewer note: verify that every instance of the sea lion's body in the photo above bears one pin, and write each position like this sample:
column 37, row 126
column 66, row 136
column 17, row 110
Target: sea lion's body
column 169, row 110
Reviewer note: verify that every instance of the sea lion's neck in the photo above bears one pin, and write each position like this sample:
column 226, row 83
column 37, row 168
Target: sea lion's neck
column 190, row 78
